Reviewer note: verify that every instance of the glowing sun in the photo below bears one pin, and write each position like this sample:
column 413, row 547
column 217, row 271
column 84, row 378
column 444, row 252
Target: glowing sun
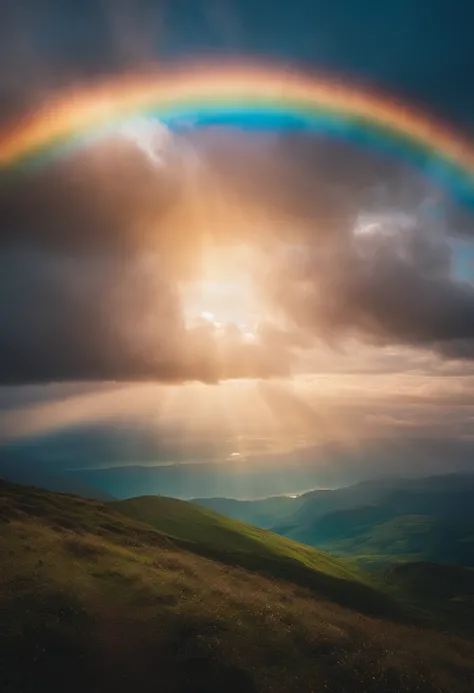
column 225, row 293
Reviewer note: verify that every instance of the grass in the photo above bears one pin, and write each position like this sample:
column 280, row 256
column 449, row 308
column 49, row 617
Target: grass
column 237, row 543
column 93, row 600
column 441, row 589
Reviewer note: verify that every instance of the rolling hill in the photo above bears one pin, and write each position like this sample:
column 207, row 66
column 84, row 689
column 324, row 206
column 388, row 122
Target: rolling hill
column 235, row 543
column 208, row 532
column 94, row 599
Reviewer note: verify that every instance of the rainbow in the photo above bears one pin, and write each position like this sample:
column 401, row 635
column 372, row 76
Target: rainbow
column 248, row 97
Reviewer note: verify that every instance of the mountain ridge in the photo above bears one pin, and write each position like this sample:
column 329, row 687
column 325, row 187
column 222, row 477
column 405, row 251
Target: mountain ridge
column 350, row 521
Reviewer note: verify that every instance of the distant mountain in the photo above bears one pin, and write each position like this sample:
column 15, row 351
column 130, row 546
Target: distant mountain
column 432, row 492
column 270, row 512
column 188, row 480
column 429, row 518
column 373, row 533
column 266, row 512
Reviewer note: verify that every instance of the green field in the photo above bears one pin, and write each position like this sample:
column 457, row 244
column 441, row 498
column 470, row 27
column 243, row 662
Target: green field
column 94, row 600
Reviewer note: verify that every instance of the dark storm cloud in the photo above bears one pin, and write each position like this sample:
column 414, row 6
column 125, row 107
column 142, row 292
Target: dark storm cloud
column 110, row 317
column 324, row 183
column 65, row 318
column 104, row 196
column 386, row 285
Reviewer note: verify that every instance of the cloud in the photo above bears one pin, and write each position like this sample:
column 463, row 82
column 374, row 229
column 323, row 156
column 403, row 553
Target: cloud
column 391, row 282
column 111, row 317
column 103, row 195
column 94, row 248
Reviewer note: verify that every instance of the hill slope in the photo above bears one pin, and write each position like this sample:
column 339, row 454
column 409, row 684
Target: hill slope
column 443, row 589
column 209, row 532
column 236, row 543
column 94, row 600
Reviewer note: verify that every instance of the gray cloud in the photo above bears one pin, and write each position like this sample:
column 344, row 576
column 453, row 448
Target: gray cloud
column 111, row 318
column 391, row 282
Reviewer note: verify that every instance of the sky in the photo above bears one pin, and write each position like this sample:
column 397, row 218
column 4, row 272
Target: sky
column 244, row 313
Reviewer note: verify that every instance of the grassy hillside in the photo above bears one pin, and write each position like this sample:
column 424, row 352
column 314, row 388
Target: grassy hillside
column 236, row 543
column 211, row 532
column 91, row 599
column 447, row 590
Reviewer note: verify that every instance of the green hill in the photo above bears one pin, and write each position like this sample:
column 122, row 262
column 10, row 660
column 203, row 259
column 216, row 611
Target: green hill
column 212, row 532
column 206, row 528
column 92, row 599
column 236, row 543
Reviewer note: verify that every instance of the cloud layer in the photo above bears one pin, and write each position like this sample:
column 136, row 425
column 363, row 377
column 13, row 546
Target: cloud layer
column 95, row 248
